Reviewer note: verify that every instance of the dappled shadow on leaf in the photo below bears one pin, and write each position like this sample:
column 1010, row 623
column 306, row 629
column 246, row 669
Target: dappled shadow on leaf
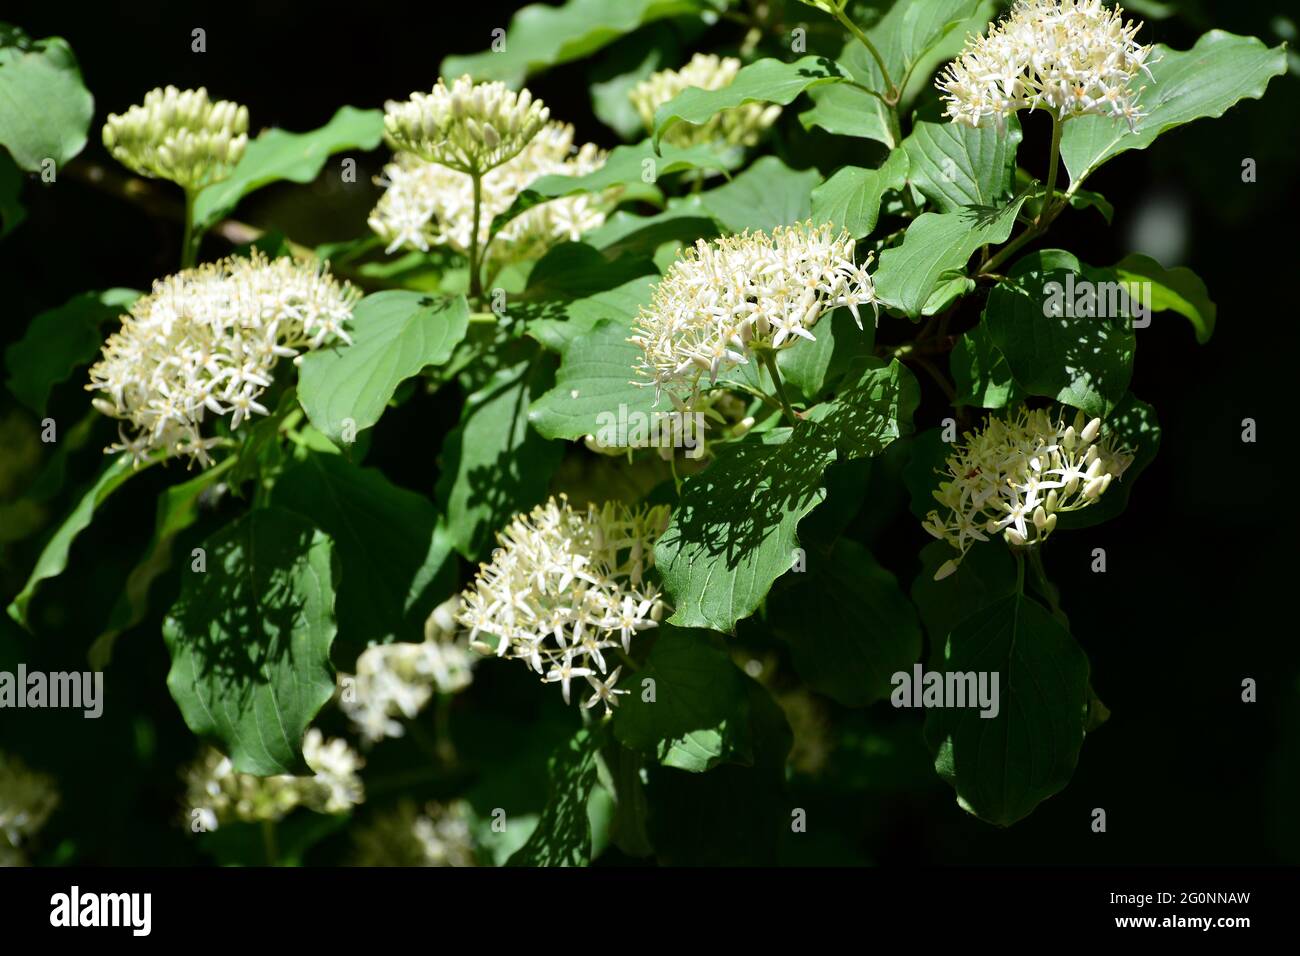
column 245, row 666
column 563, row 835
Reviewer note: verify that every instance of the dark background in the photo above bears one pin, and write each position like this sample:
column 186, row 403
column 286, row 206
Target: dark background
column 1200, row 588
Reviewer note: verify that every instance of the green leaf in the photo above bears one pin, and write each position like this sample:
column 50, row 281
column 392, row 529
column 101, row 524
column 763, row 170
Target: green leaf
column 683, row 222
column 848, row 624
column 926, row 453
column 732, row 533
column 985, row 576
column 396, row 565
column 1003, row 767
column 626, row 63
column 45, row 109
column 813, row 367
column 563, row 834
column 278, row 155
column 1188, row 85
column 54, row 556
column 765, row 195
column 980, row 372
column 851, row 198
column 395, row 334
column 764, row 81
column 1085, row 362
column 594, row 386
column 541, row 36
column 619, row 305
column 905, row 37
column 12, row 212
column 699, row 716
column 59, row 341
column 179, row 507
column 927, row 271
column 1179, row 290
column 629, row 167
column 574, row 270
column 493, row 464
column 250, row 640
column 957, row 167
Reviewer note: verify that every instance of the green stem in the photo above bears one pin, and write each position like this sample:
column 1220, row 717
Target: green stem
column 446, row 747
column 1020, row 570
column 1046, row 215
column 1053, row 161
column 1045, row 587
column 768, row 357
column 475, row 276
column 269, row 843
column 189, row 241
column 892, row 94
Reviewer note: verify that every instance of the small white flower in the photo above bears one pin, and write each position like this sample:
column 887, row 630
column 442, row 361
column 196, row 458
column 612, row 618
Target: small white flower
column 429, row 204
column 566, row 585
column 399, row 679
column 994, row 480
column 724, row 299
column 219, row 794
column 206, row 340
column 605, row 691
column 1073, row 57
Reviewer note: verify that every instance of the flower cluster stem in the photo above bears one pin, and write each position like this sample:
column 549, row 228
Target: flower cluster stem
column 190, row 240
column 768, row 357
column 475, row 267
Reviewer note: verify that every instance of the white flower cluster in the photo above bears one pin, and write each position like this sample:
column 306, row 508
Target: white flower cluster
column 1073, row 57
column 724, row 299
column 566, row 586
column 1014, row 476
column 399, row 679
column 471, row 127
column 206, row 340
column 27, row 799
column 739, row 126
column 179, row 135
column 433, row 835
column 219, row 794
column 429, row 204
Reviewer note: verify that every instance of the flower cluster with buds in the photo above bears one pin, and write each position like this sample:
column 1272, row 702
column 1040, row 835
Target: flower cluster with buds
column 179, row 135
column 1015, row 475
column 471, row 127
column 738, row 126
column 219, row 794
column 436, row 834
column 399, row 679
column 564, row 588
column 723, row 300
column 1073, row 57
column 27, row 799
column 206, row 340
column 430, row 204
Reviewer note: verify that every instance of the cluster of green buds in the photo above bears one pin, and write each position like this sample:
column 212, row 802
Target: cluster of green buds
column 470, row 127
column 179, row 135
